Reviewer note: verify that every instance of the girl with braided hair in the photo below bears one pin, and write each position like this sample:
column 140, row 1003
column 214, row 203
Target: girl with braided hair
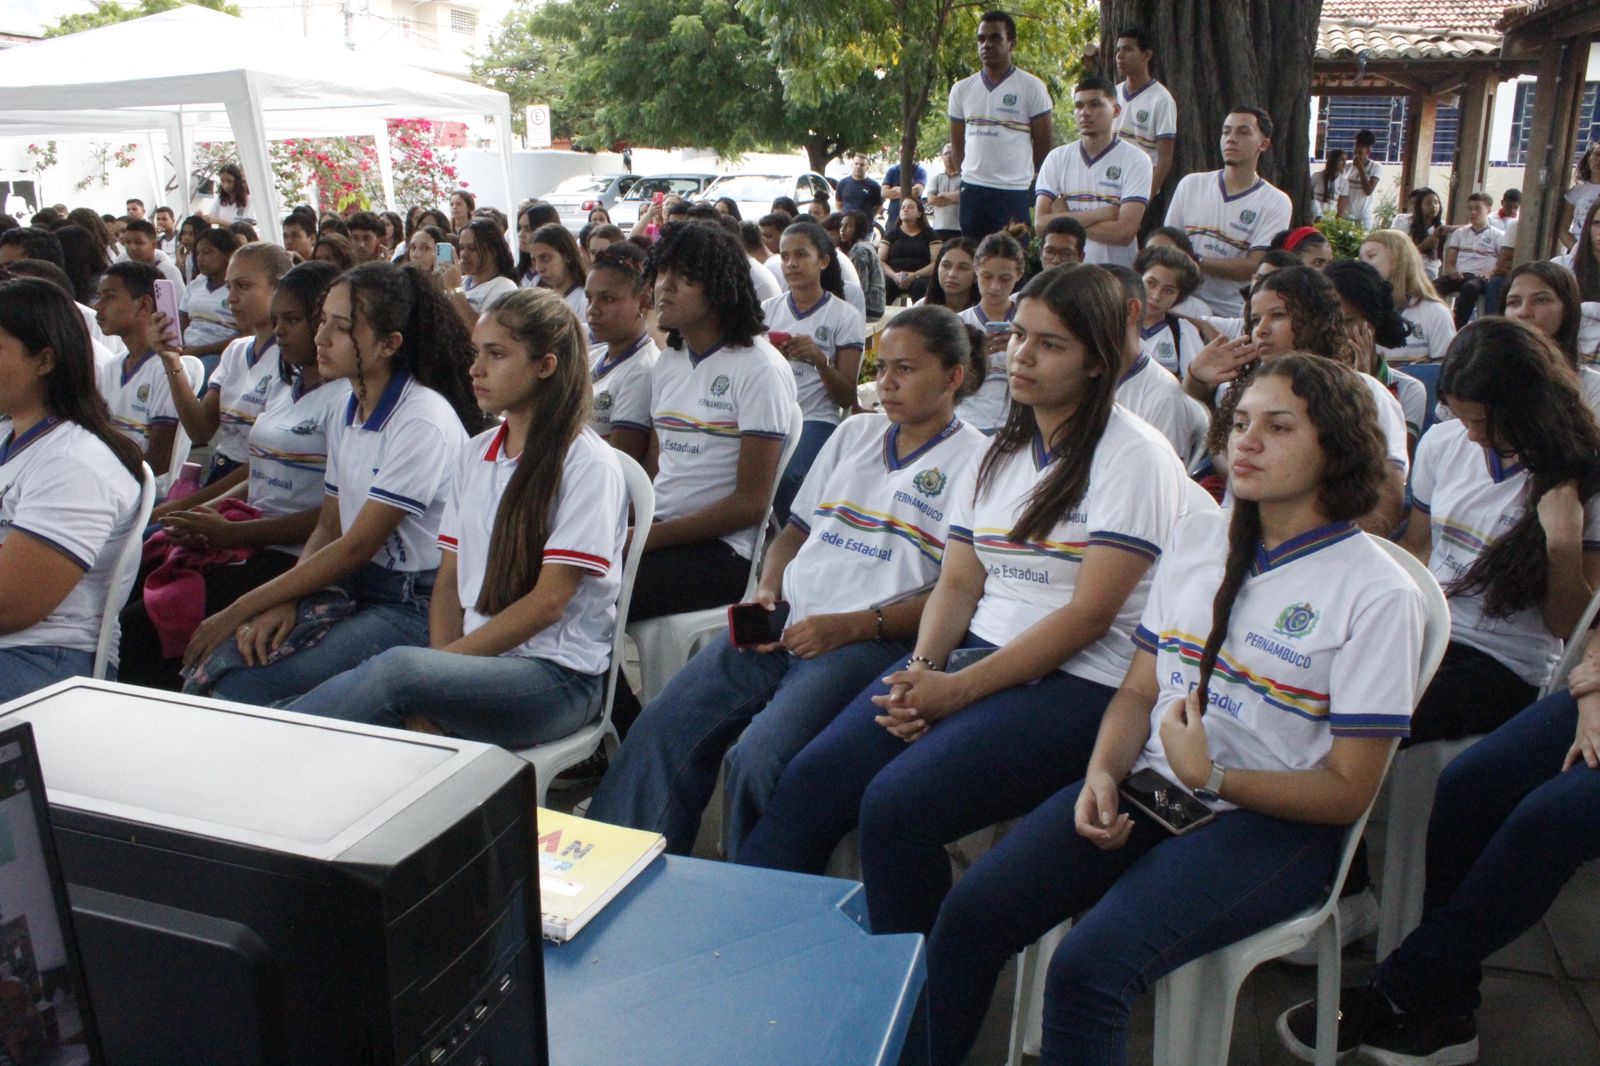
column 392, row 454
column 1274, row 662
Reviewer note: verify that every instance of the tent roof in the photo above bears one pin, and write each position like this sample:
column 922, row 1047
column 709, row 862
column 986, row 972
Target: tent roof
column 209, row 58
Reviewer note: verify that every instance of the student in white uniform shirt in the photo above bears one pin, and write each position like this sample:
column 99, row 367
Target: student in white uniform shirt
column 69, row 492
column 532, row 537
column 392, row 455
column 287, row 447
column 1148, row 389
column 1472, row 259
column 1149, row 116
column 207, row 323
column 1429, row 327
column 1101, row 181
column 1232, row 214
column 249, row 368
column 1362, row 175
column 1544, row 296
column 1272, row 667
column 622, row 365
column 1297, row 309
column 1048, row 566
column 852, row 565
column 555, row 255
column 822, row 337
column 854, row 294
column 484, row 270
column 1170, row 277
column 139, row 244
column 137, row 388
column 1372, row 322
column 998, row 268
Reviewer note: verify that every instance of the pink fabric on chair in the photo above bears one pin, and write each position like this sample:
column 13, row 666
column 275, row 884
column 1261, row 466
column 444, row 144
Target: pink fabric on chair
column 175, row 591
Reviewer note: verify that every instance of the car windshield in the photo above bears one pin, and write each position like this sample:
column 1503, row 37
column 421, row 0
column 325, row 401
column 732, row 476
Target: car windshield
column 763, row 188
column 646, row 188
column 583, row 183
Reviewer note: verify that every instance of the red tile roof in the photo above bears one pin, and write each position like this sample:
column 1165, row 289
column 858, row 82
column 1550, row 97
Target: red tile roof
column 1475, row 15
column 1345, row 39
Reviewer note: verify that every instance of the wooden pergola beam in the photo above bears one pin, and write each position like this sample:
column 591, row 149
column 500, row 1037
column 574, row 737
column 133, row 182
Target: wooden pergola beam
column 1556, row 103
column 1416, row 157
column 1472, row 144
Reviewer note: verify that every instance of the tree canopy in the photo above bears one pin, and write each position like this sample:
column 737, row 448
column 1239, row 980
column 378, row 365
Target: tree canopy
column 109, row 12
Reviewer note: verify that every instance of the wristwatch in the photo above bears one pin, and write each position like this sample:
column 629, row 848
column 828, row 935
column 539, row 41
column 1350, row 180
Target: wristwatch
column 1211, row 791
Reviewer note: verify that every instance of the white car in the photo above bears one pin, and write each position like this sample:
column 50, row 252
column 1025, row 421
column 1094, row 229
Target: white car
column 686, row 184
column 577, row 196
column 754, row 191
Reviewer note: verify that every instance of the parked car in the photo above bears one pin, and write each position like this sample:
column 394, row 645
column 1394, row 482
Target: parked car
column 576, row 197
column 754, row 191
column 686, row 184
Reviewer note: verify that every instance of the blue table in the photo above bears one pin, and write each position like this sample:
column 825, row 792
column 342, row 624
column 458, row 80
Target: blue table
column 704, row 963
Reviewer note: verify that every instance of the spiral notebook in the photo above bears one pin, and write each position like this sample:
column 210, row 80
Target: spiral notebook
column 582, row 867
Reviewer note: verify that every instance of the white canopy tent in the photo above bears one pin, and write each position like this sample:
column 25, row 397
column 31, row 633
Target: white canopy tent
column 221, row 78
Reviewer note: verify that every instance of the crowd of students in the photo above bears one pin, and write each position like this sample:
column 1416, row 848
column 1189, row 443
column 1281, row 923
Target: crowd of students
column 1007, row 586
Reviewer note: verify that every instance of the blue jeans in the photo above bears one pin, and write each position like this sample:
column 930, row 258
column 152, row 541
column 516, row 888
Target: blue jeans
column 985, row 210
column 996, row 759
column 768, row 706
column 501, row 699
column 1508, row 830
column 31, row 667
column 812, row 438
column 1156, row 903
column 392, row 612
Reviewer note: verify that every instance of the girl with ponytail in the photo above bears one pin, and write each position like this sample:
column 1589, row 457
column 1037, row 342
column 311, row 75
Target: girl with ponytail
column 1275, row 661
column 389, row 331
column 532, row 539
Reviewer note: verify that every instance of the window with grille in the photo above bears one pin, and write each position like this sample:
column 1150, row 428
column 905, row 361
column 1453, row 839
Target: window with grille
column 1340, row 118
column 1586, row 133
column 463, row 21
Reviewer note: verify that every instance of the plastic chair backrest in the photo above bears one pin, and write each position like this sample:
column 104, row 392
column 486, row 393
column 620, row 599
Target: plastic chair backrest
column 1428, row 374
column 642, row 501
column 1577, row 643
column 125, row 572
column 797, row 424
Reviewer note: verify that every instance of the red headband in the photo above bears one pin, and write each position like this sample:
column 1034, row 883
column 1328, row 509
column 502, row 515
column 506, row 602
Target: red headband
column 1295, row 239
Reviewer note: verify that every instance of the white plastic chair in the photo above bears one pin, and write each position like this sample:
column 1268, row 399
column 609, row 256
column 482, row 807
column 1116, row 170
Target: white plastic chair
column 1195, row 1003
column 195, row 371
column 1412, row 783
column 666, row 642
column 124, row 575
column 554, row 756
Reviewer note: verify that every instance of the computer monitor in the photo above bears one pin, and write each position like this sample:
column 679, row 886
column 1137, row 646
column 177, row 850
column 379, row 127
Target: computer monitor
column 44, row 1012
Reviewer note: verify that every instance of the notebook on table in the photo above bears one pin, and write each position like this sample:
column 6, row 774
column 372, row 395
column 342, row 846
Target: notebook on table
column 582, row 867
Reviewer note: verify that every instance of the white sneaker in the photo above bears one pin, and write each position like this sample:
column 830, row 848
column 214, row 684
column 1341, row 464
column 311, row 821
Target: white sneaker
column 1358, row 918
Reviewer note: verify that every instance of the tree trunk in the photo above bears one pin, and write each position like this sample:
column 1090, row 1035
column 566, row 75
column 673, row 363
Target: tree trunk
column 817, row 154
column 1215, row 56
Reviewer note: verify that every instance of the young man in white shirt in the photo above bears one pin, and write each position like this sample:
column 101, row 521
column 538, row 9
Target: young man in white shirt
column 1472, row 260
column 137, row 388
column 1101, row 181
column 999, row 132
column 1149, row 117
column 1362, row 173
column 139, row 240
column 1231, row 215
column 167, row 231
column 944, row 197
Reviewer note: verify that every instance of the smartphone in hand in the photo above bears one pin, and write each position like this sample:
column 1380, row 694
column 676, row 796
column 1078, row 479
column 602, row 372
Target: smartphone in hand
column 167, row 304
column 751, row 625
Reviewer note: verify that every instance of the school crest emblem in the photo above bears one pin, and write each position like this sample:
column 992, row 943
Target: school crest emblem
column 930, row 482
column 143, row 393
column 720, row 385
column 262, row 386
column 822, row 334
column 1142, row 115
column 1247, row 217
column 1297, row 620
column 1113, row 173
column 602, row 401
column 306, row 428
column 1009, row 99
column 1164, row 348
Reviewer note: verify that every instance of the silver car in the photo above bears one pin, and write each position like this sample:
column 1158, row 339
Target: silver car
column 686, row 184
column 577, row 196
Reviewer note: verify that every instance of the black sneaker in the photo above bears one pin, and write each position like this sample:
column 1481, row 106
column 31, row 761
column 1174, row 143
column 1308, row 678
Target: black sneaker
column 588, row 772
column 1422, row 1040
column 1361, row 1009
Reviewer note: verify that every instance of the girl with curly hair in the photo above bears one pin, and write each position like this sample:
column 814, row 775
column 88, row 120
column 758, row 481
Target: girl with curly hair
column 1285, row 738
column 389, row 331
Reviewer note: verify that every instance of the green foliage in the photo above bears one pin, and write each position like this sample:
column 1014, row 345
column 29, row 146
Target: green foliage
column 110, row 12
column 1388, row 207
column 1344, row 235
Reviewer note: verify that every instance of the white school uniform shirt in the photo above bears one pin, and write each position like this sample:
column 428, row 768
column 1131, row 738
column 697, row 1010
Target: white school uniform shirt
column 1361, row 205
column 244, row 380
column 1120, row 174
column 1413, row 398
column 62, row 486
column 766, row 285
column 1472, row 498
column 701, row 407
column 169, row 269
column 1027, row 581
column 875, row 524
column 1325, row 193
column 578, row 300
column 986, row 409
column 1148, row 116
column 482, row 295
column 1580, row 196
column 1226, row 227
column 999, row 126
column 622, row 385
column 138, row 395
column 210, row 320
column 405, row 455
column 1429, row 330
column 1589, row 386
column 102, row 340
column 854, row 294
column 1175, row 353
column 832, row 324
column 1322, row 642
column 588, row 528
column 288, row 449
column 1477, row 251
column 1150, row 391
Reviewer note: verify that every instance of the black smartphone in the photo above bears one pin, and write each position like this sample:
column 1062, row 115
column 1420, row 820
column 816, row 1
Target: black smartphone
column 1168, row 803
column 751, row 624
column 965, row 657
